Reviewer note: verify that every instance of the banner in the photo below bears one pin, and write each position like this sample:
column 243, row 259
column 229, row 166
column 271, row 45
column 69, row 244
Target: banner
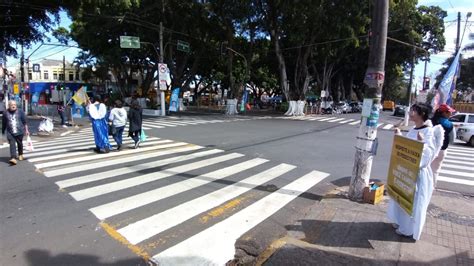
column 448, row 84
column 174, row 101
column 403, row 171
column 244, row 100
column 80, row 96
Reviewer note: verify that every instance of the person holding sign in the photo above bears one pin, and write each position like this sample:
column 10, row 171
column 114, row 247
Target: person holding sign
column 412, row 224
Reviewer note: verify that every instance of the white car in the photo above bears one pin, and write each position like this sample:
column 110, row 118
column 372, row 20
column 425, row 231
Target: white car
column 464, row 124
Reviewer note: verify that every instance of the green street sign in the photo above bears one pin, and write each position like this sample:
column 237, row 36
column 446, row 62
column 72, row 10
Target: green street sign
column 129, row 42
column 183, row 46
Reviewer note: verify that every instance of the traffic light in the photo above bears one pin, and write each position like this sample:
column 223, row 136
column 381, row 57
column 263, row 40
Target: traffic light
column 426, row 83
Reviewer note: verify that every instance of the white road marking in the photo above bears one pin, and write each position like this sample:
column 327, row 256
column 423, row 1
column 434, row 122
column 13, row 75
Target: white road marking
column 457, row 173
column 346, row 121
column 191, row 208
column 453, row 155
column 109, row 155
column 132, row 169
column 456, row 162
column 215, row 245
column 326, row 119
column 460, row 167
column 143, row 179
column 456, row 180
column 183, row 147
column 335, row 120
column 355, row 123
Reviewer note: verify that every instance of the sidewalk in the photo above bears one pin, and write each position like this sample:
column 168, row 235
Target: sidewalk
column 337, row 231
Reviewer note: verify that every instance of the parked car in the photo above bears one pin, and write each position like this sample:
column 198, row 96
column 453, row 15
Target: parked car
column 464, row 124
column 355, row 107
column 400, row 110
column 343, row 107
column 388, row 105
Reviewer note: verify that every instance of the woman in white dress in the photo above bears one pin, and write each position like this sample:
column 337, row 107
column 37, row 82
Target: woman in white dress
column 405, row 224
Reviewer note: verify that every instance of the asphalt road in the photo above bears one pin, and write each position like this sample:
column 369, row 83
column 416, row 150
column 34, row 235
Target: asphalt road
column 174, row 202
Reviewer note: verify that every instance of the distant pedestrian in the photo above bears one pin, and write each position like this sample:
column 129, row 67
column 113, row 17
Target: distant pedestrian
column 61, row 108
column 135, row 117
column 441, row 117
column 118, row 116
column 14, row 126
column 98, row 113
column 2, row 104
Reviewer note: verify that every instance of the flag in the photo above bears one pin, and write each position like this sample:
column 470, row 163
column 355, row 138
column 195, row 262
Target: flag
column 448, row 84
column 80, row 96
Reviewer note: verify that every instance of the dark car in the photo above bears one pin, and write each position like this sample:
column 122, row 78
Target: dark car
column 355, row 107
column 399, row 110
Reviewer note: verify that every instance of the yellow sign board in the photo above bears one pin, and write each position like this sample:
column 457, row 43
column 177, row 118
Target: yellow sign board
column 16, row 89
column 403, row 171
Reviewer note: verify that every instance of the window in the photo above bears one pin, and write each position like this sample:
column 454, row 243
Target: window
column 470, row 119
column 55, row 75
column 61, row 76
column 458, row 118
column 30, row 76
column 77, row 75
column 46, row 75
column 71, row 76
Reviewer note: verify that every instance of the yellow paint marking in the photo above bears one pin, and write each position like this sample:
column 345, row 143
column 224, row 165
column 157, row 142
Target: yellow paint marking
column 115, row 235
column 222, row 209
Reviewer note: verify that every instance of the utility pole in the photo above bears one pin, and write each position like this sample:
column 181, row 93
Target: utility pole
column 410, row 85
column 374, row 78
column 162, row 93
column 458, row 36
column 64, row 80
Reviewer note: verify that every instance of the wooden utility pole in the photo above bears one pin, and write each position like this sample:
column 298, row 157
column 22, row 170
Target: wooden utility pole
column 374, row 78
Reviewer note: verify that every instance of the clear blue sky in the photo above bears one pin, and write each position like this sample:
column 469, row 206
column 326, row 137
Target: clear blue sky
column 451, row 6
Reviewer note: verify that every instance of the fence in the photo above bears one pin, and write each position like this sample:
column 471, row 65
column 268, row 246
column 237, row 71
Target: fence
column 464, row 107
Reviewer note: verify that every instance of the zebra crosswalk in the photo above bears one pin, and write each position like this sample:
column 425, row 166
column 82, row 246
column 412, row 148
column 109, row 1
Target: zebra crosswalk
column 172, row 122
column 147, row 195
column 336, row 120
column 458, row 166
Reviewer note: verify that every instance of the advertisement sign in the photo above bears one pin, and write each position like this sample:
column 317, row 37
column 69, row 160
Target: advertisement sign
column 403, row 171
column 16, row 89
column 77, row 111
column 163, row 76
column 174, row 101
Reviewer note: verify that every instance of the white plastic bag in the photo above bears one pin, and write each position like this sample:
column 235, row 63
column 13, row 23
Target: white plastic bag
column 29, row 144
column 46, row 125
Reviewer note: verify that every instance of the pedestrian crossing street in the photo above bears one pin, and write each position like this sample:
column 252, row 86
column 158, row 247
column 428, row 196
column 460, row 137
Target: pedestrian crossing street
column 458, row 166
column 172, row 202
column 335, row 120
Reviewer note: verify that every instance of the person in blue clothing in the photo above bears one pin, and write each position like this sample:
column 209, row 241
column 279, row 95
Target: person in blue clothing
column 441, row 117
column 98, row 114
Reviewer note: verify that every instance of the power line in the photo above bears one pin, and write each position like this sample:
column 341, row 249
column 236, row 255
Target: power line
column 39, row 59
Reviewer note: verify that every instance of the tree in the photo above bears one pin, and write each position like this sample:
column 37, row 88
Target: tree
column 24, row 22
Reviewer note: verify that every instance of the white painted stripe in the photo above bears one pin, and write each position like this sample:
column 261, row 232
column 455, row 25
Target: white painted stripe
column 62, row 144
column 159, row 123
column 453, row 155
column 388, row 126
column 108, row 155
column 146, row 228
column 460, row 167
column 335, row 120
column 455, row 180
column 143, row 179
column 65, row 133
column 326, row 119
column 379, row 125
column 457, row 173
column 70, row 151
column 215, row 245
column 463, row 153
column 458, row 148
column 180, row 147
column 346, row 121
column 152, row 125
column 446, row 160
column 355, row 123
column 68, row 154
column 191, row 208
column 132, row 169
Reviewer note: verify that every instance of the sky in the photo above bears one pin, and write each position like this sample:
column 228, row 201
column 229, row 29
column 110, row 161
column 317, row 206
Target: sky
column 451, row 6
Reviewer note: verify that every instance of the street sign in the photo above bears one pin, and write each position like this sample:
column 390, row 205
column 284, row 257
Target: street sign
column 36, row 68
column 129, row 42
column 183, row 46
column 163, row 76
